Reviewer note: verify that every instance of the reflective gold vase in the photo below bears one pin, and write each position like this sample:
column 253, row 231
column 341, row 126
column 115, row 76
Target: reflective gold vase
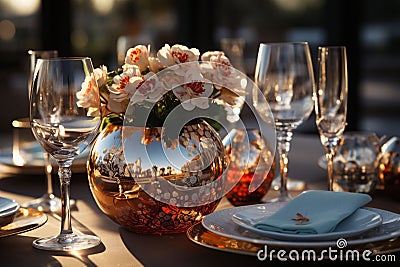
column 126, row 202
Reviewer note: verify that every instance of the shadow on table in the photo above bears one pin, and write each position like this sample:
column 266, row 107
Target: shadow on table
column 177, row 250
column 23, row 245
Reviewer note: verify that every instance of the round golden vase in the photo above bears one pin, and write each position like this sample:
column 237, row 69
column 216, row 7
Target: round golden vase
column 121, row 198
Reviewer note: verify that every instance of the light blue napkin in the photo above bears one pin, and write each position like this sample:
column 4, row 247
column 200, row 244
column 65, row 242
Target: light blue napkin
column 314, row 212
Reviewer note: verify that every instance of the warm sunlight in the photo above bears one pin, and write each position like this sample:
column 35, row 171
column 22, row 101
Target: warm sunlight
column 21, row 7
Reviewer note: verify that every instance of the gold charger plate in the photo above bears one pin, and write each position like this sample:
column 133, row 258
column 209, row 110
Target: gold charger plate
column 201, row 236
column 26, row 219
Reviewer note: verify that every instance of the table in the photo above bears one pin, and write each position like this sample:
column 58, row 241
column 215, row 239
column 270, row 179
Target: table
column 123, row 248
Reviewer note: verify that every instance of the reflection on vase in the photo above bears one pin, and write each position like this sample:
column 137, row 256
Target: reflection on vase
column 260, row 166
column 126, row 202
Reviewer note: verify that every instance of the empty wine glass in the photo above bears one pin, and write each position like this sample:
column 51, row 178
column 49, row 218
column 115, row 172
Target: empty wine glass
column 48, row 202
column 234, row 50
column 284, row 74
column 64, row 127
column 330, row 98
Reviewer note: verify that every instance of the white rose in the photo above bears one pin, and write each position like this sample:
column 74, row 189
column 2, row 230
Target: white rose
column 139, row 56
column 124, row 85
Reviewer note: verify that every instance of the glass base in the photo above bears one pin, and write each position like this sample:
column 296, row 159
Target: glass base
column 284, row 198
column 47, row 203
column 292, row 184
column 67, row 242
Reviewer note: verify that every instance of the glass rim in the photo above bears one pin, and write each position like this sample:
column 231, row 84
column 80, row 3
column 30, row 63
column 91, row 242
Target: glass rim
column 283, row 43
column 331, row 47
column 77, row 58
column 33, row 51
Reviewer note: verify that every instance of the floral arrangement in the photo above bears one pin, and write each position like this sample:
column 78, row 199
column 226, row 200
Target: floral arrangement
column 172, row 77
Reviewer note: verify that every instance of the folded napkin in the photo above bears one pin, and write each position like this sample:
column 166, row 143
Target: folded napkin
column 314, row 212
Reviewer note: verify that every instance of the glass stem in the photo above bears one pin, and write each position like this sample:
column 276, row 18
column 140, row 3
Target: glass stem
column 48, row 170
column 64, row 173
column 330, row 153
column 283, row 145
column 329, row 160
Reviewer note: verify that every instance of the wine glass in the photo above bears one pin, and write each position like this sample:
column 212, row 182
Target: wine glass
column 64, row 129
column 285, row 77
column 234, row 50
column 48, row 202
column 330, row 98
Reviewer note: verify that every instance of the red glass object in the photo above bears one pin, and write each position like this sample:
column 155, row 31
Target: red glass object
column 245, row 156
column 240, row 194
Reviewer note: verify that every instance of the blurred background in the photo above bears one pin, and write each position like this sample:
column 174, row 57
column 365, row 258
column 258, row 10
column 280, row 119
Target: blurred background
column 99, row 28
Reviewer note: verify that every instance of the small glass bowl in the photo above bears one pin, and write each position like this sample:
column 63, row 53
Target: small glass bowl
column 354, row 164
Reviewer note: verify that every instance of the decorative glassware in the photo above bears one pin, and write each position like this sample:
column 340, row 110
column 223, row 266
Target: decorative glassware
column 284, row 74
column 128, row 203
column 330, row 96
column 388, row 162
column 48, row 202
column 64, row 128
column 259, row 167
column 354, row 164
column 234, row 50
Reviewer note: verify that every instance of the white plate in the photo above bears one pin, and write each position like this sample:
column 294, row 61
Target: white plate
column 35, row 162
column 360, row 221
column 221, row 223
column 8, row 208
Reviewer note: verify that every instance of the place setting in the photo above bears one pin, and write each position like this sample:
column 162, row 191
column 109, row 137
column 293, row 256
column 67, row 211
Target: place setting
column 247, row 229
column 335, row 217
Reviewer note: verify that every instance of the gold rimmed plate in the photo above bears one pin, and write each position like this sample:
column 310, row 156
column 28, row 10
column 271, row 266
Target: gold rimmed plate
column 223, row 234
column 26, row 219
column 221, row 223
column 200, row 235
column 203, row 237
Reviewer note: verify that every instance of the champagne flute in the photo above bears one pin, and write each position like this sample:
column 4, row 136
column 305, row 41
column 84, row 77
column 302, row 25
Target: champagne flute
column 64, row 128
column 331, row 100
column 285, row 77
